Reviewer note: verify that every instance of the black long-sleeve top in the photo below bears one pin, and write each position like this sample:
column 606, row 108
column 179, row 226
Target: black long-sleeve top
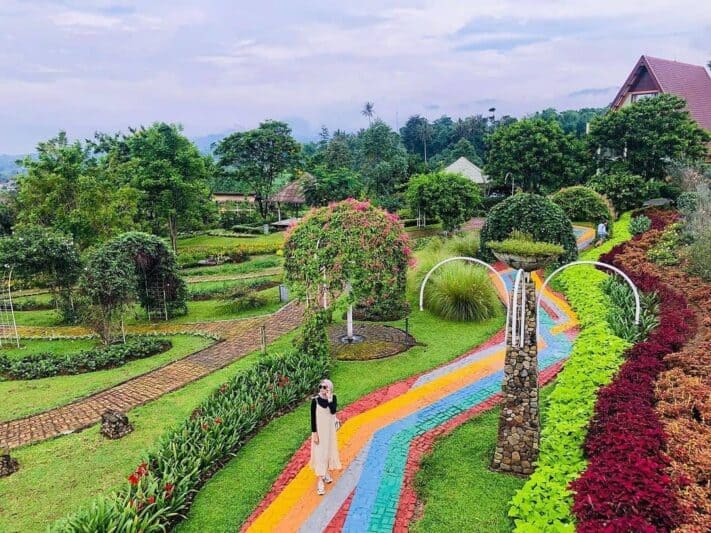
column 323, row 402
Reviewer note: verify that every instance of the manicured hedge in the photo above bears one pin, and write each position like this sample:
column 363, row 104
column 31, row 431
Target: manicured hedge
column 161, row 488
column 532, row 214
column 44, row 364
column 583, row 204
column 544, row 503
column 626, row 486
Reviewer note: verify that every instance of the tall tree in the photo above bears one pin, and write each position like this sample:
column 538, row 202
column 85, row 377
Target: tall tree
column 172, row 176
column 368, row 111
column 258, row 156
column 331, row 186
column 536, row 154
column 381, row 160
column 645, row 136
column 450, row 197
column 67, row 188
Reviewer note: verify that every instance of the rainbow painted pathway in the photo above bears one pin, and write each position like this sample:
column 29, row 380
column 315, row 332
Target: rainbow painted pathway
column 384, row 435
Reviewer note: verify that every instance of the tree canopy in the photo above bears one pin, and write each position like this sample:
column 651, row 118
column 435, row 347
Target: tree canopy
column 257, row 157
column 450, row 197
column 536, row 154
column 646, row 136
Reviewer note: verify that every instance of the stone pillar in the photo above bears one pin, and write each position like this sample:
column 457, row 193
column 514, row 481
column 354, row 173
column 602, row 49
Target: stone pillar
column 8, row 465
column 519, row 423
column 115, row 424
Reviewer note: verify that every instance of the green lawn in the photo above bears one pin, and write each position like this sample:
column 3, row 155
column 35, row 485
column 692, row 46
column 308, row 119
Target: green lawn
column 209, row 241
column 199, row 311
column 58, row 476
column 229, row 497
column 459, row 491
column 218, row 286
column 57, row 347
column 253, row 264
column 22, row 398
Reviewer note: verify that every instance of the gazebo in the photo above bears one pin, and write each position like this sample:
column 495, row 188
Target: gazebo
column 291, row 194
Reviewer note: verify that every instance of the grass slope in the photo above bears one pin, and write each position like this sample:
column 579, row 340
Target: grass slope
column 455, row 484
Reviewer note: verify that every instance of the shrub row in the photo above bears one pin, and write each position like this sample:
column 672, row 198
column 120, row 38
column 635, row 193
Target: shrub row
column 44, row 364
column 544, row 502
column 191, row 255
column 161, row 488
column 626, row 486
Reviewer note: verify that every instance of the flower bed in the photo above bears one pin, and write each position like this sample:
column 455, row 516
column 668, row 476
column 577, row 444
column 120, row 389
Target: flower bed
column 45, row 364
column 626, row 486
column 544, row 502
column 161, row 488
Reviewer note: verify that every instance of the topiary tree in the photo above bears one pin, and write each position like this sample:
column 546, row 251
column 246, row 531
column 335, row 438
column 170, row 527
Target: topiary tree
column 156, row 271
column 350, row 246
column 450, row 197
column 626, row 191
column 532, row 214
column 584, row 204
column 44, row 256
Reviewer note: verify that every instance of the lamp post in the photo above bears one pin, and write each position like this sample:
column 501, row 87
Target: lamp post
column 506, row 179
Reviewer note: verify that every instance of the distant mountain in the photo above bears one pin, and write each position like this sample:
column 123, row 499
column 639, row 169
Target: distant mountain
column 8, row 167
column 300, row 129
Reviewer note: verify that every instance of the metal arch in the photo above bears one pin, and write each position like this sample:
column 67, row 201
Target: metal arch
column 472, row 260
column 514, row 304
column 638, row 307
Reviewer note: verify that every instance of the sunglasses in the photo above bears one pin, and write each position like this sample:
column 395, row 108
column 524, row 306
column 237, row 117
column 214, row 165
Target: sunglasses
column 323, row 386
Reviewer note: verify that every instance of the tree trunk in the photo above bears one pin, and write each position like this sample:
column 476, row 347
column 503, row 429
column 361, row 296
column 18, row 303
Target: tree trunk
column 173, row 230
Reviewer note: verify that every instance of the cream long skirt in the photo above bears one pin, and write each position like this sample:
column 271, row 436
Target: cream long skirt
column 324, row 455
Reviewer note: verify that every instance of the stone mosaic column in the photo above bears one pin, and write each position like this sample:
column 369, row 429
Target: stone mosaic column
column 519, row 423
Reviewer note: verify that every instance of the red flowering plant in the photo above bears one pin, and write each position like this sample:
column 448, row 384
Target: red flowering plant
column 350, row 244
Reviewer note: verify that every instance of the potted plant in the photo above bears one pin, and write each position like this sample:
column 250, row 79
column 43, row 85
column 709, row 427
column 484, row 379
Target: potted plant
column 521, row 251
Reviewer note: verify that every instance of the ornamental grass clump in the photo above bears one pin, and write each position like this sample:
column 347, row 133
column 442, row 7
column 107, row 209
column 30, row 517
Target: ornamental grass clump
column 458, row 291
column 465, row 244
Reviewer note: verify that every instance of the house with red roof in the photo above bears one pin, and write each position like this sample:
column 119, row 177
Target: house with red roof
column 652, row 76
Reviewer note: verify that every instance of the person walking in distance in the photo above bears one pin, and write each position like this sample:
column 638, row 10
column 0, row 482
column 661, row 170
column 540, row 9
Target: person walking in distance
column 324, row 444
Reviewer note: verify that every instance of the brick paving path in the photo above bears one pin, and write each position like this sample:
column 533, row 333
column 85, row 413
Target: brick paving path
column 243, row 337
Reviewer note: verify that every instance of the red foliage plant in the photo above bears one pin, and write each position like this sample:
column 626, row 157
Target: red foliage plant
column 627, row 485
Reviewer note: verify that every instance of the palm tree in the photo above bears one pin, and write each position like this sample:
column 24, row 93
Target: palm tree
column 367, row 111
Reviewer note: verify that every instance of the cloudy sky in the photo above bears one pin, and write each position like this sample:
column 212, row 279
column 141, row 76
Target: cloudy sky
column 215, row 65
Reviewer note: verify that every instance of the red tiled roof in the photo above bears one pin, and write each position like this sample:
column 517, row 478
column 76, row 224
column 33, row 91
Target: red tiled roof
column 690, row 82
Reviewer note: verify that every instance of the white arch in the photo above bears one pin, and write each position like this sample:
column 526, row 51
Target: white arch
column 638, row 307
column 471, row 260
column 514, row 303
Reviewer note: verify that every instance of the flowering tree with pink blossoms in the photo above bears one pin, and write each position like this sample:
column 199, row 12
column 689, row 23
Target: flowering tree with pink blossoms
column 352, row 247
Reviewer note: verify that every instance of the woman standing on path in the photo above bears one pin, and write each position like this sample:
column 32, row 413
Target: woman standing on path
column 324, row 445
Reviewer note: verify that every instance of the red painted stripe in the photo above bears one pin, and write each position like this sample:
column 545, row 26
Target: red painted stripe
column 384, row 394
column 425, row 442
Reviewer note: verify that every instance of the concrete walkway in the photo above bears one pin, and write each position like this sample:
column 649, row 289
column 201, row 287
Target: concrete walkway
column 243, row 337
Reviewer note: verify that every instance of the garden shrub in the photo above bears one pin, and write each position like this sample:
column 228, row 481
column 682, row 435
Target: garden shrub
column 452, row 198
column 351, row 243
column 250, row 230
column 460, row 291
column 540, row 217
column 640, row 224
column 687, row 202
column 245, row 302
column 544, row 503
column 626, row 191
column 664, row 252
column 584, row 204
column 42, row 365
column 700, row 255
column 159, row 491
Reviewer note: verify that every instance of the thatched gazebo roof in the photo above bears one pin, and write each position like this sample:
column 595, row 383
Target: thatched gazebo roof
column 292, row 193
